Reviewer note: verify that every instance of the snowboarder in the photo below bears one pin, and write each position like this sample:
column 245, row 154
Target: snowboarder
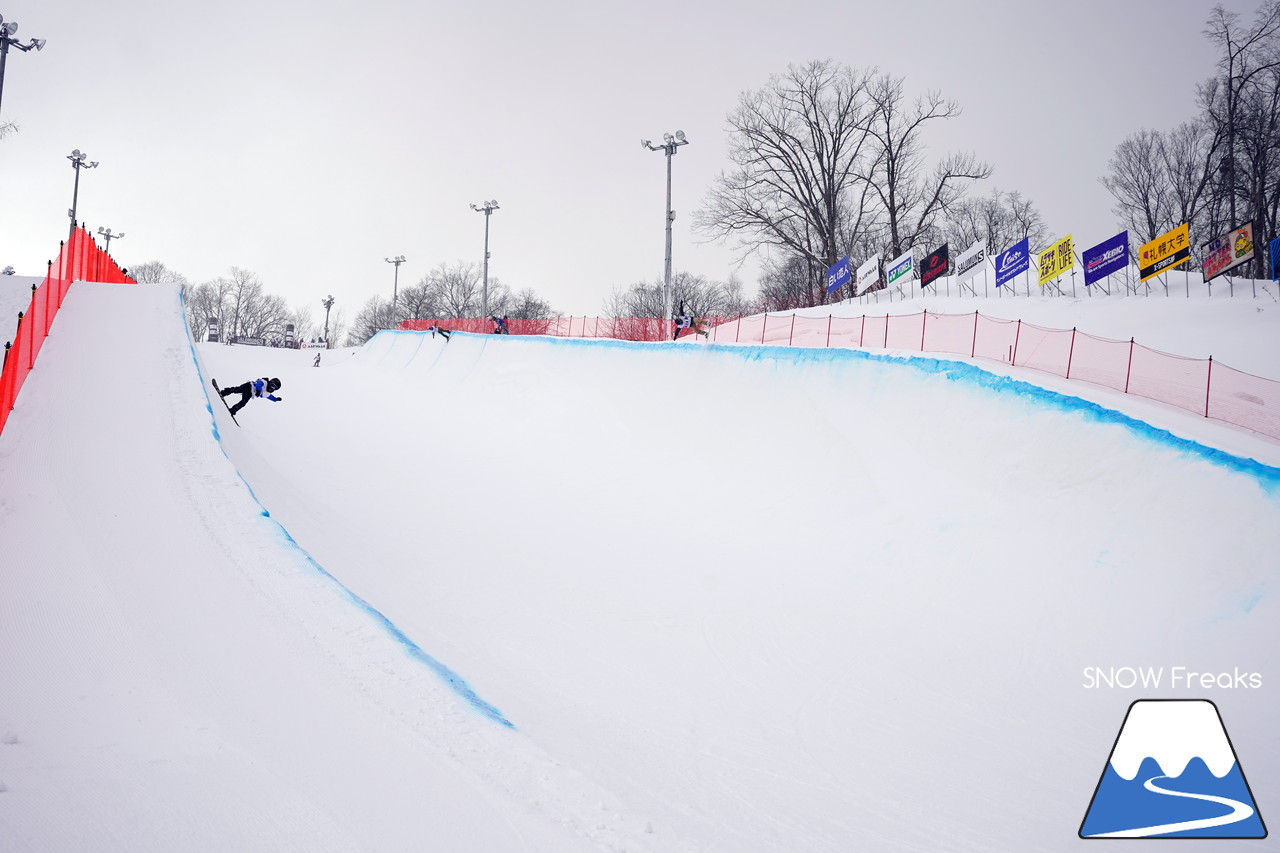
column 316, row 363
column 500, row 326
column 437, row 328
column 263, row 388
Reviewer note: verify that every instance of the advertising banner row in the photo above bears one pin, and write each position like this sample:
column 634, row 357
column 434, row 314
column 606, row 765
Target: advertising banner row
column 1169, row 250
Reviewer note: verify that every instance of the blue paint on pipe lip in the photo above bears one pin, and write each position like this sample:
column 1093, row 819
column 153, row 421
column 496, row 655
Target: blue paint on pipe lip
column 1267, row 476
column 451, row 678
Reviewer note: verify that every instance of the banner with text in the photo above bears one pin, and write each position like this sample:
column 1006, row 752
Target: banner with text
column 902, row 268
column 1164, row 252
column 838, row 275
column 869, row 277
column 970, row 261
column 935, row 264
column 1056, row 260
column 1275, row 259
column 1228, row 252
column 1013, row 261
column 1105, row 258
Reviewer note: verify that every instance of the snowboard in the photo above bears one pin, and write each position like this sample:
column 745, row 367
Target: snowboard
column 224, row 401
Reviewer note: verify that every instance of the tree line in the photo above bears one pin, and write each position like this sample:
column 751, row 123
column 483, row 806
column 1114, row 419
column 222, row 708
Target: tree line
column 828, row 160
column 1221, row 168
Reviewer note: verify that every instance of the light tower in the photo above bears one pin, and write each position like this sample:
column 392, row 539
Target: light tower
column 669, row 145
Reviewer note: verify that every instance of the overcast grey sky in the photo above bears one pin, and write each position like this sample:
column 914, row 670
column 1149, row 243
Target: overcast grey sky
column 307, row 142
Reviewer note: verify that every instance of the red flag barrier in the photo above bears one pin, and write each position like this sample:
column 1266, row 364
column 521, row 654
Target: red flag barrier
column 78, row 260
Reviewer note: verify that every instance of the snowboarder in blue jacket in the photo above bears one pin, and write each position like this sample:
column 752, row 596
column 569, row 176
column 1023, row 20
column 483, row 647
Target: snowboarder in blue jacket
column 264, row 388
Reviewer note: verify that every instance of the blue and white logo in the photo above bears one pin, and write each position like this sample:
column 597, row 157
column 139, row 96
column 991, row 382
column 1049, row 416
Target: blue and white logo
column 1173, row 773
column 838, row 276
column 1013, row 261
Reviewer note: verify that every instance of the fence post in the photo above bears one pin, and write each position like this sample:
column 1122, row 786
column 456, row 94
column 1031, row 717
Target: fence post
column 924, row 322
column 886, row 329
column 862, row 332
column 737, row 329
column 828, row 331
column 1072, row 351
column 1016, row 334
column 973, row 348
column 764, row 326
column 1128, row 371
column 791, row 336
column 1208, row 380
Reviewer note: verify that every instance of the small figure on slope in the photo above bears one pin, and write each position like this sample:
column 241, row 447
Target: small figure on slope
column 264, row 388
column 444, row 333
column 500, row 326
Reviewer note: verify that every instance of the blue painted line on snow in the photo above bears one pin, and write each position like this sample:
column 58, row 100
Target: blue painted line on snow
column 455, row 681
column 1267, row 476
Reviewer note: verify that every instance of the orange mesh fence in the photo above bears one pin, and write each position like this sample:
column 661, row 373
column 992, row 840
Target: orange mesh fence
column 80, row 259
column 1206, row 387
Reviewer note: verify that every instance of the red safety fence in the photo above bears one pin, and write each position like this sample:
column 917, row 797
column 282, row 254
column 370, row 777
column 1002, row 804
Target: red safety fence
column 1204, row 386
column 80, row 259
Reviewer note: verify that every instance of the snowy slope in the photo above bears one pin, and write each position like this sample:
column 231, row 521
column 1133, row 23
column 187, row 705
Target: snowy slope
column 727, row 598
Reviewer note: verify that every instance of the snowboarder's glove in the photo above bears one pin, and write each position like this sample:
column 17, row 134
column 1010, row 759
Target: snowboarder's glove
column 279, row 398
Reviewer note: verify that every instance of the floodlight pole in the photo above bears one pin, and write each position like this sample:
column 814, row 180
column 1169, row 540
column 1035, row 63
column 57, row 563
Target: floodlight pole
column 6, row 39
column 79, row 160
column 670, row 143
column 107, row 237
column 395, row 288
column 327, row 303
column 487, row 209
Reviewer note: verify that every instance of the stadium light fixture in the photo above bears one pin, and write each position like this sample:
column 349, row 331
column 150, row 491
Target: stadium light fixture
column 397, row 260
column 669, row 146
column 79, row 160
column 487, row 209
column 6, row 41
column 107, row 237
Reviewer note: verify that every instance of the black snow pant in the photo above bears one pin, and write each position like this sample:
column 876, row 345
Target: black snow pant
column 245, row 391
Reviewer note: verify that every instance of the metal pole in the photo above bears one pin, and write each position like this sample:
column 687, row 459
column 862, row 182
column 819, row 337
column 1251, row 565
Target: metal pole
column 485, row 292
column 4, row 55
column 667, row 296
column 75, row 200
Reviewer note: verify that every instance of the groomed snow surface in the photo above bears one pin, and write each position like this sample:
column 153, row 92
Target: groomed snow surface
column 527, row 594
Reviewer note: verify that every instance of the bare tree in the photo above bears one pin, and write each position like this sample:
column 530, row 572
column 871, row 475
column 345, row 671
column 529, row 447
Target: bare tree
column 1249, row 57
column 999, row 220
column 372, row 318
column 913, row 202
column 797, row 147
column 527, row 305
column 1139, row 182
column 155, row 272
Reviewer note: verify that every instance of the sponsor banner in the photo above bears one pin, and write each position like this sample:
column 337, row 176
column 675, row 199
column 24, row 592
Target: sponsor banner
column 869, row 276
column 1228, row 251
column 838, row 275
column 1105, row 258
column 288, row 335
column 313, row 345
column 245, row 339
column 1056, row 260
column 970, row 261
column 1275, row 259
column 213, row 330
column 934, row 265
column 1164, row 252
column 1013, row 261
column 901, row 269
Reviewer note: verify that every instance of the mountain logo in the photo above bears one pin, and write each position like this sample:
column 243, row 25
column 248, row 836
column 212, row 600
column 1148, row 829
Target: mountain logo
column 1172, row 773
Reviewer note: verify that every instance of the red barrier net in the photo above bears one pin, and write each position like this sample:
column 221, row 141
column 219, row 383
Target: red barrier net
column 1206, row 387
column 80, row 259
